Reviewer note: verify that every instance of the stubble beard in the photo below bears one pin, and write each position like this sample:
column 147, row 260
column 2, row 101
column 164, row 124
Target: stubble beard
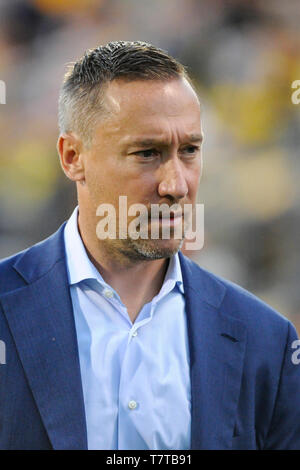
column 130, row 250
column 151, row 249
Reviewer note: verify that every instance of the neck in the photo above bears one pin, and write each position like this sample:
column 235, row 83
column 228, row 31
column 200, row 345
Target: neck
column 136, row 281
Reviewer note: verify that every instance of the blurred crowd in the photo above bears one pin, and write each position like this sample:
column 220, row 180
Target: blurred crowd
column 243, row 56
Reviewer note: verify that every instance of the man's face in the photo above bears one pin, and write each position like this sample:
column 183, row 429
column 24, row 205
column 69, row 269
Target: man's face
column 146, row 148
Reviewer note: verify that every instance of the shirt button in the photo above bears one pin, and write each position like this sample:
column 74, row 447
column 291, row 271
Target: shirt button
column 134, row 333
column 108, row 293
column 132, row 404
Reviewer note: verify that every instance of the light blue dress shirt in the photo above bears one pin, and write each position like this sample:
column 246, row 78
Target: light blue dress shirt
column 135, row 376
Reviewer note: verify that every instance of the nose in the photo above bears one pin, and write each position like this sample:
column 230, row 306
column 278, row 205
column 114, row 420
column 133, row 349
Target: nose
column 173, row 182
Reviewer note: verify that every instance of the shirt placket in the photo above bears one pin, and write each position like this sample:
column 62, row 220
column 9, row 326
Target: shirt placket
column 130, row 399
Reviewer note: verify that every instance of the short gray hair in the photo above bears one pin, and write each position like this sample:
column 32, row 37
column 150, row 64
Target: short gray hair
column 82, row 91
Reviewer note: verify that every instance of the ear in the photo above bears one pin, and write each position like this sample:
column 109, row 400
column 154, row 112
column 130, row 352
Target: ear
column 70, row 150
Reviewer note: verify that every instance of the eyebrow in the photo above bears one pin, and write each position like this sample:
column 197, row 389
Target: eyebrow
column 193, row 138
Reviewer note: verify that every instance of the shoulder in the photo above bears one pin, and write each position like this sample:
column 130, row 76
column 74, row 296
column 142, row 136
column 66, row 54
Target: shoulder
column 30, row 264
column 9, row 277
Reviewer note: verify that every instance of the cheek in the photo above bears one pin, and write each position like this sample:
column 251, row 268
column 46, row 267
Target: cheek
column 98, row 186
column 105, row 186
column 193, row 183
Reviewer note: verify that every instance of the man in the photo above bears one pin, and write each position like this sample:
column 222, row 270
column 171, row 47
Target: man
column 120, row 342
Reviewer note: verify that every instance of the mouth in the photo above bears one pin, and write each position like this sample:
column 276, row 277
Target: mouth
column 172, row 215
column 172, row 219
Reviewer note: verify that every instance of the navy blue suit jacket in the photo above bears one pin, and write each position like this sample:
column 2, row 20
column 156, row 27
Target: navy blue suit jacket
column 245, row 387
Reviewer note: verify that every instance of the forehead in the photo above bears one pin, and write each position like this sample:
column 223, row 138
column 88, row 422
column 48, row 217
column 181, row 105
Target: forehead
column 151, row 103
column 139, row 91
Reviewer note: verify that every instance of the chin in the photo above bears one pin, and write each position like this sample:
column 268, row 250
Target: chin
column 145, row 249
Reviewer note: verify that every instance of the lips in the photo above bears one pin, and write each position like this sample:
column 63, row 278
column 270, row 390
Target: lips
column 171, row 219
column 169, row 215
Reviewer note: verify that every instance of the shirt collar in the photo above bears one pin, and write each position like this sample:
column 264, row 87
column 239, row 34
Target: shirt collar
column 81, row 268
column 173, row 275
column 79, row 265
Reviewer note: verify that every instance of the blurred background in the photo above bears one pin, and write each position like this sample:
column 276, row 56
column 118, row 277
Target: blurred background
column 243, row 55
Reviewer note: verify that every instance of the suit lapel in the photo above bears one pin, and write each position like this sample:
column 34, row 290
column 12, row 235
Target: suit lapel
column 40, row 317
column 217, row 344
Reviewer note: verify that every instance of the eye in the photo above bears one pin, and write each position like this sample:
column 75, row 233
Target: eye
column 149, row 153
column 191, row 150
